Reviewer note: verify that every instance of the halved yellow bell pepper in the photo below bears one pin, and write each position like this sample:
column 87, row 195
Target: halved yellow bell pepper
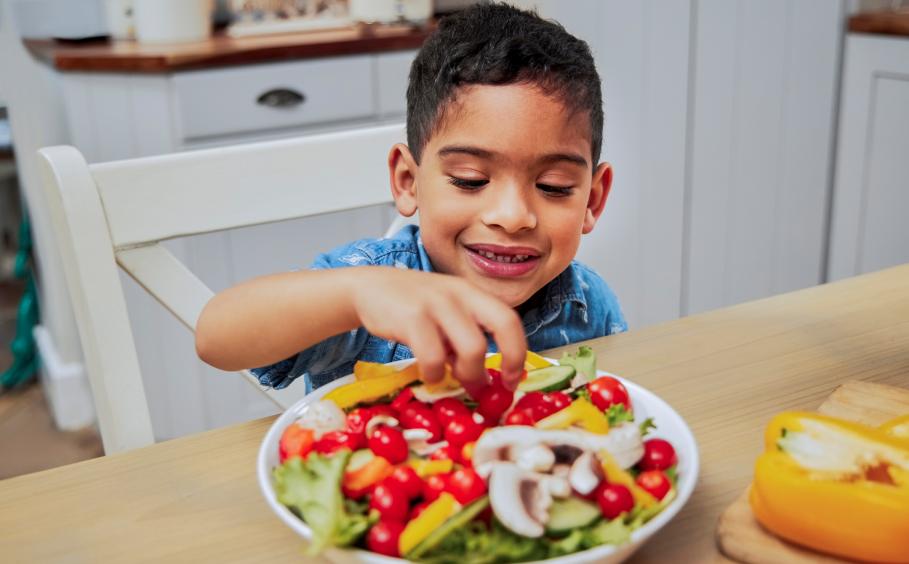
column 581, row 413
column 428, row 521
column 425, row 467
column 364, row 370
column 835, row 486
column 616, row 475
column 373, row 388
column 531, row 362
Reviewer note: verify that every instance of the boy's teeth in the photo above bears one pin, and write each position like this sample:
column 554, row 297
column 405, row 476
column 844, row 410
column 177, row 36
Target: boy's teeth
column 503, row 258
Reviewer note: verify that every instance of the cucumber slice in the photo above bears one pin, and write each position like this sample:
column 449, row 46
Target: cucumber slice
column 571, row 513
column 359, row 459
column 547, row 379
column 456, row 521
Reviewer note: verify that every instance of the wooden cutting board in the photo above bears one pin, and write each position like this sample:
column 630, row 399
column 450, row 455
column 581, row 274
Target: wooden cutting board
column 739, row 535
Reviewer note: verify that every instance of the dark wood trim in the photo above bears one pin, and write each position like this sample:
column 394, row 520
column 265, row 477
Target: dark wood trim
column 221, row 50
column 884, row 23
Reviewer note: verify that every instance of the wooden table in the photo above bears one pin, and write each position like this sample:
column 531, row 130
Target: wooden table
column 196, row 499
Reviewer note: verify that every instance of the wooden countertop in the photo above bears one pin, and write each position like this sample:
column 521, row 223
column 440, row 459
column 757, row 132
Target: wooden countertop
column 884, row 23
column 221, row 50
column 726, row 372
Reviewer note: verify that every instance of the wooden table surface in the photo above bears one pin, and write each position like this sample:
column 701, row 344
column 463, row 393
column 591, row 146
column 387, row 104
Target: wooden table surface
column 727, row 372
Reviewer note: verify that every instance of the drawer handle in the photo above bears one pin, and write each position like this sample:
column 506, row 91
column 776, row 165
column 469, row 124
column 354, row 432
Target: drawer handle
column 281, row 98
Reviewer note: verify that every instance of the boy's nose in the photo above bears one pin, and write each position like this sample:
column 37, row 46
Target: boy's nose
column 509, row 209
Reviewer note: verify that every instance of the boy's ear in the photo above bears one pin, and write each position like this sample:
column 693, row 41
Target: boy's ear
column 599, row 191
column 402, row 168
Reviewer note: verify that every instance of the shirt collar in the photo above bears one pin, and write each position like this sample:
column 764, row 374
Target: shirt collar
column 566, row 287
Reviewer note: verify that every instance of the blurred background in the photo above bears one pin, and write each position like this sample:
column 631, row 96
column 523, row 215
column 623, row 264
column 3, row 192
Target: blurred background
column 758, row 145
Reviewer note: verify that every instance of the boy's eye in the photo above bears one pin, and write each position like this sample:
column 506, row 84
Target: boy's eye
column 468, row 184
column 555, row 190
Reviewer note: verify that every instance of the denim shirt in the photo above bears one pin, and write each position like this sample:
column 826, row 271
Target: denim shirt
column 575, row 306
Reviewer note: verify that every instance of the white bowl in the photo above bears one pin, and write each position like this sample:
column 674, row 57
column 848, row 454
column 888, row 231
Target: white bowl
column 670, row 426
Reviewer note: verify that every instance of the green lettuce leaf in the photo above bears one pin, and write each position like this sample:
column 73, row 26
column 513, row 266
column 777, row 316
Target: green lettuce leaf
column 615, row 531
column 312, row 490
column 618, row 414
column 647, row 425
column 584, row 362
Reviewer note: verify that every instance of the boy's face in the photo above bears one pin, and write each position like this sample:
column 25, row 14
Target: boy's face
column 505, row 189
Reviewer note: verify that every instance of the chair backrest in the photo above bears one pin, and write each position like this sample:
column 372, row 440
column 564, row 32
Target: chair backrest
column 118, row 213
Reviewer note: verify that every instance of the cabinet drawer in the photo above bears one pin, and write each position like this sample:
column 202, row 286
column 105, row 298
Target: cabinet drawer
column 212, row 103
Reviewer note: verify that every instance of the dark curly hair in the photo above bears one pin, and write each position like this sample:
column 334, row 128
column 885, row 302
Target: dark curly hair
column 497, row 44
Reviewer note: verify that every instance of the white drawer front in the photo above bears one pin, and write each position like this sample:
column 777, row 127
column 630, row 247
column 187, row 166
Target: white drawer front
column 392, row 70
column 211, row 103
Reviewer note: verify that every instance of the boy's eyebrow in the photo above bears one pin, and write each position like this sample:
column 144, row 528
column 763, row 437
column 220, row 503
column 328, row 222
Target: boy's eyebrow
column 573, row 158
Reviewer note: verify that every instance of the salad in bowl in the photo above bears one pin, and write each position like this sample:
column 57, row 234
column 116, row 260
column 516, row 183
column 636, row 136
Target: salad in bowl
column 576, row 465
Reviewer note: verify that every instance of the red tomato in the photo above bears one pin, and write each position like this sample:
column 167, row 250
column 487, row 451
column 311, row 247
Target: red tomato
column 383, row 537
column 465, row 485
column 540, row 404
column 519, row 417
column 494, row 375
column 658, row 455
column 447, row 408
column 406, row 478
column 333, row 441
column 446, row 452
column 357, row 420
column 296, row 441
column 390, row 501
column 390, row 443
column 433, row 486
column 606, row 391
column 417, row 509
column 494, row 402
column 461, row 430
column 614, row 499
column 382, row 409
column 654, row 482
column 418, row 416
column 404, row 397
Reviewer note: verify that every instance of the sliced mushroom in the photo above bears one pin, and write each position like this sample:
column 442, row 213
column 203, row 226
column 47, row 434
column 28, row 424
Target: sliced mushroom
column 561, row 470
column 538, row 458
column 418, row 441
column 322, row 417
column 557, row 486
column 586, row 473
column 519, row 499
column 424, row 394
column 378, row 420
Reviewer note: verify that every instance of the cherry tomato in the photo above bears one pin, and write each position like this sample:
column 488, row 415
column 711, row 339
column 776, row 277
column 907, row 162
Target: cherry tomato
column 418, row 416
column 465, row 485
column 388, row 442
column 541, row 405
column 357, row 420
column 461, row 430
column 333, row 441
column 296, row 441
column 447, row 408
column 614, row 499
column 406, row 478
column 417, row 509
column 494, row 375
column 446, row 452
column 390, row 501
column 404, row 397
column 658, row 455
column 434, row 486
column 519, row 417
column 495, row 400
column 654, row 482
column 383, row 537
column 606, row 391
column 382, row 409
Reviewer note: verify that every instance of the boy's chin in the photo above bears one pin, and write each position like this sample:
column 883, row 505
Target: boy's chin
column 513, row 297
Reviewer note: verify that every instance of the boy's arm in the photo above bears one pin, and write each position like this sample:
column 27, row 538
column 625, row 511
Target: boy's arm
column 441, row 318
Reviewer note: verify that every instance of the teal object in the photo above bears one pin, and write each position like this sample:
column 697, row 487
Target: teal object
column 25, row 352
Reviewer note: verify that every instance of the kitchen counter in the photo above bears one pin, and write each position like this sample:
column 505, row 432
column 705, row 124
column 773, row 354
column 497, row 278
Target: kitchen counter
column 727, row 372
column 882, row 23
column 221, row 50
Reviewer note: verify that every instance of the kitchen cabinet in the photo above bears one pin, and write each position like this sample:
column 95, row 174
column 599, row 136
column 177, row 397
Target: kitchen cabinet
column 869, row 229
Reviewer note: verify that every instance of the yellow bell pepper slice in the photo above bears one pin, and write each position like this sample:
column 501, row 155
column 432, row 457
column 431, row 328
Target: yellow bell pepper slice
column 581, row 413
column 372, row 389
column 425, row 468
column 834, row 486
column 364, row 370
column 428, row 521
column 616, row 475
column 897, row 427
column 531, row 361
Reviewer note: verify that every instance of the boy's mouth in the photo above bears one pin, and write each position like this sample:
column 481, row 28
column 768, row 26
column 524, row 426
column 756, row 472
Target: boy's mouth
column 496, row 260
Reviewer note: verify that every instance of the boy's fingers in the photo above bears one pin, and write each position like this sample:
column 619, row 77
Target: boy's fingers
column 429, row 351
column 468, row 344
column 508, row 333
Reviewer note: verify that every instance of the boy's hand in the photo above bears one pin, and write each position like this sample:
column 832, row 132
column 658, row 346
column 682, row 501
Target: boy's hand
column 442, row 319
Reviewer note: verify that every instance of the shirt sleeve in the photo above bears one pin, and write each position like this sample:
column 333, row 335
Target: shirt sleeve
column 325, row 357
column 603, row 303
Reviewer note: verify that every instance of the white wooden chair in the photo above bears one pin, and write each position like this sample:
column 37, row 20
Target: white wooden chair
column 118, row 213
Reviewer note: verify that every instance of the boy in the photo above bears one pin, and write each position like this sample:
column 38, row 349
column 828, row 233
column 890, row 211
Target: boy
column 504, row 128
